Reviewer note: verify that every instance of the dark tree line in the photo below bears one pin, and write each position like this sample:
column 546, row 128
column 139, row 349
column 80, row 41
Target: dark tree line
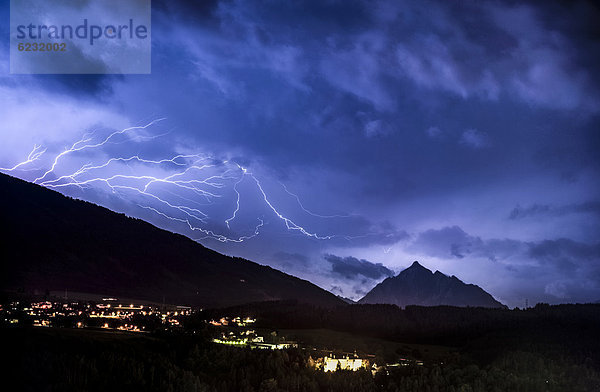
column 498, row 359
column 570, row 329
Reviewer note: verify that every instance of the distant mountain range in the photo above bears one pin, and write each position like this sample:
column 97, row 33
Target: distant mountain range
column 53, row 242
column 417, row 285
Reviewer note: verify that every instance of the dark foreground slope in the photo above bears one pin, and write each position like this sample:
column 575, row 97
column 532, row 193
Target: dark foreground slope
column 52, row 242
column 417, row 285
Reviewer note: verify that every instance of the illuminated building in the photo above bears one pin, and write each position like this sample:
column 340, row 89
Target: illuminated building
column 354, row 364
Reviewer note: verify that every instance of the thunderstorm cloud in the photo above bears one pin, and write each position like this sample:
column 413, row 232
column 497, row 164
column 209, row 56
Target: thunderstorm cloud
column 461, row 134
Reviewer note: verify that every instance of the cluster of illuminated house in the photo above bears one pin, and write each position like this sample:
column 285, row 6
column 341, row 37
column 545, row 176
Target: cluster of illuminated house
column 330, row 362
column 109, row 314
column 249, row 338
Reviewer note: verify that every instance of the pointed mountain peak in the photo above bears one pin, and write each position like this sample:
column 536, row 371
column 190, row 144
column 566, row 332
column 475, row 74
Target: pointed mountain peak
column 417, row 267
column 417, row 285
column 416, row 270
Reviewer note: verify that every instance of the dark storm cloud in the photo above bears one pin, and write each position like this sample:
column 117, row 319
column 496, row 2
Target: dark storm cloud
column 447, row 242
column 100, row 86
column 390, row 113
column 541, row 210
column 365, row 232
column 197, row 11
column 353, row 268
column 451, row 53
column 564, row 249
column 356, row 81
column 454, row 242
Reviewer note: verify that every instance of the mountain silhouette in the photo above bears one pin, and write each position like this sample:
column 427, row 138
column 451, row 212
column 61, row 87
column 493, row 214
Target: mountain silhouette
column 53, row 242
column 417, row 285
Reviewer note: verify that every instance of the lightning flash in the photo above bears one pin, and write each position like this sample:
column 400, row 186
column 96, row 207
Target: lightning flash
column 182, row 189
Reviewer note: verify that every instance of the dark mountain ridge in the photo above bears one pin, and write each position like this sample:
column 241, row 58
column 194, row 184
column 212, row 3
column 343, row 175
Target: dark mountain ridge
column 417, row 285
column 53, row 242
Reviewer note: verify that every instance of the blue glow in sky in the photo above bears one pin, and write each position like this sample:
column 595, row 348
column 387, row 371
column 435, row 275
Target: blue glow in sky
column 465, row 136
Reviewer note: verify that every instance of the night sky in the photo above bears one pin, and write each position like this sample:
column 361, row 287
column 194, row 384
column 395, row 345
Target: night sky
column 359, row 135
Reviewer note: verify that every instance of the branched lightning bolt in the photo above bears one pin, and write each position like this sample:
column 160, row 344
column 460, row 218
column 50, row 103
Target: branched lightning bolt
column 237, row 200
column 206, row 178
column 78, row 147
column 308, row 211
column 288, row 222
column 33, row 156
